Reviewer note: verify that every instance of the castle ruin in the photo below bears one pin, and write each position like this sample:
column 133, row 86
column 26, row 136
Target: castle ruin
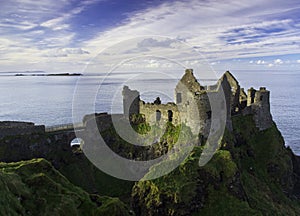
column 194, row 99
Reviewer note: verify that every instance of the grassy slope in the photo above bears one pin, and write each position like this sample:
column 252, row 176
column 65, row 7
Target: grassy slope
column 71, row 162
column 34, row 187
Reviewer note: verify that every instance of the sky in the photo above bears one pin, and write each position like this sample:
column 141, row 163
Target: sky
column 70, row 35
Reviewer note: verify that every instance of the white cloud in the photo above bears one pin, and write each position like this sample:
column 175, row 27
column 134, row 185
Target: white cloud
column 55, row 24
column 298, row 61
column 65, row 52
column 260, row 62
column 150, row 42
column 23, row 25
column 59, row 23
column 278, row 61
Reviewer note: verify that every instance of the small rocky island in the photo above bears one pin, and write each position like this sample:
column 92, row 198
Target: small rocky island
column 251, row 173
column 51, row 74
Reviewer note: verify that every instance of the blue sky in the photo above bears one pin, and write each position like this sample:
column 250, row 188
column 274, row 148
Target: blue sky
column 65, row 35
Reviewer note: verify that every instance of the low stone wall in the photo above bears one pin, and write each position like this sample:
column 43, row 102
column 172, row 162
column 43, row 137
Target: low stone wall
column 15, row 124
column 65, row 127
column 19, row 128
column 104, row 121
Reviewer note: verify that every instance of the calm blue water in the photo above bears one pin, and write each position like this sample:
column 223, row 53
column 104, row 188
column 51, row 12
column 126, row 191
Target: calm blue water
column 48, row 99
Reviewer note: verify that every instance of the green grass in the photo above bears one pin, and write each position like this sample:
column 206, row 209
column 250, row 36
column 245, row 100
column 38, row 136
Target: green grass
column 34, row 187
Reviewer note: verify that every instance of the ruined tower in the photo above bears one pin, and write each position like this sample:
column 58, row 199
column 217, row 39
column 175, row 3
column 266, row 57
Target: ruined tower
column 131, row 101
column 261, row 109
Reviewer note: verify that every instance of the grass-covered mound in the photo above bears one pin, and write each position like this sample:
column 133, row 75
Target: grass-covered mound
column 69, row 161
column 34, row 187
column 252, row 174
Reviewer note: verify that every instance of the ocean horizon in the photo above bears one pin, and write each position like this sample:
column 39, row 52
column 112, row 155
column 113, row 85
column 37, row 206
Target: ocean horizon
column 48, row 100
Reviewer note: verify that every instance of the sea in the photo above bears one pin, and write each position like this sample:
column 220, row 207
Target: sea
column 56, row 100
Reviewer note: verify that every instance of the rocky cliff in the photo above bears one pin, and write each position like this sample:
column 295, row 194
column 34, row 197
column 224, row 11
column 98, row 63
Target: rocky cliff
column 253, row 173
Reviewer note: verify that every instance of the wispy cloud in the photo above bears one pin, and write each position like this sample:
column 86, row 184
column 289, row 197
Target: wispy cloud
column 32, row 31
column 218, row 30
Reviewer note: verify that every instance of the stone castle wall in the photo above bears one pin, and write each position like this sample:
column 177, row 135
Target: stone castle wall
column 160, row 113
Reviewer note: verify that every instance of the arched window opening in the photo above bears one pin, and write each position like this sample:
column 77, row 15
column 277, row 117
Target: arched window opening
column 77, row 142
column 158, row 115
column 208, row 113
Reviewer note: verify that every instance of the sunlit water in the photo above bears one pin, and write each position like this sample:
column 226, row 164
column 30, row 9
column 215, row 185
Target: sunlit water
column 48, row 100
